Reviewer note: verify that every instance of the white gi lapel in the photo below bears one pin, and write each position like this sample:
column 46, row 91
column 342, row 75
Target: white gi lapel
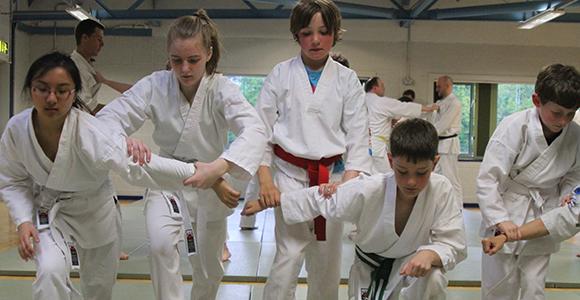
column 540, row 164
column 389, row 218
column 184, row 149
column 312, row 101
column 63, row 162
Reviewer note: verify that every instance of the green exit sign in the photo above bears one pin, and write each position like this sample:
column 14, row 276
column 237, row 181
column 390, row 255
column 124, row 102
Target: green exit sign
column 3, row 47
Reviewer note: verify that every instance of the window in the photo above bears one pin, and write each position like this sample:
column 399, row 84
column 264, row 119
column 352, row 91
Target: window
column 466, row 94
column 250, row 87
column 513, row 97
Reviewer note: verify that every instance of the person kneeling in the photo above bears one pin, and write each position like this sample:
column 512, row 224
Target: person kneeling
column 410, row 224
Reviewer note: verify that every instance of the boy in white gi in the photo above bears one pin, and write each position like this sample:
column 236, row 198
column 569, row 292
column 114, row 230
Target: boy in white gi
column 314, row 112
column 54, row 166
column 192, row 108
column 560, row 223
column 382, row 110
column 530, row 162
column 409, row 222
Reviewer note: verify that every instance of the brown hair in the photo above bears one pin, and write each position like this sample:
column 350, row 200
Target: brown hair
column 303, row 12
column 189, row 26
column 559, row 84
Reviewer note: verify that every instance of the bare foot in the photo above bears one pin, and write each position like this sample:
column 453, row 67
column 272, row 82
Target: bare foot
column 123, row 256
column 226, row 253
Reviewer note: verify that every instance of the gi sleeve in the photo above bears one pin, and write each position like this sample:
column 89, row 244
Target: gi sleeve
column 15, row 182
column 344, row 205
column 129, row 111
column 268, row 111
column 404, row 109
column 355, row 124
column 448, row 232
column 562, row 222
column 572, row 178
column 247, row 150
column 493, row 173
column 108, row 151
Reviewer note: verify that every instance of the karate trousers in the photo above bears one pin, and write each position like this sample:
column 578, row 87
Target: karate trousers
column 296, row 244
column 448, row 167
column 165, row 231
column 98, row 270
column 513, row 277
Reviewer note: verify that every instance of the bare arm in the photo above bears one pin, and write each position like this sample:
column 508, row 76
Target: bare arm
column 117, row 86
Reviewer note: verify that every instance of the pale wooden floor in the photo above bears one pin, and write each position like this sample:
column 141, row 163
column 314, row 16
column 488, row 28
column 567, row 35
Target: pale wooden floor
column 8, row 234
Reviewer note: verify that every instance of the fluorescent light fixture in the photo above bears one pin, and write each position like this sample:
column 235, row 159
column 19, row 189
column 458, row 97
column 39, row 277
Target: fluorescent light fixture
column 541, row 18
column 78, row 12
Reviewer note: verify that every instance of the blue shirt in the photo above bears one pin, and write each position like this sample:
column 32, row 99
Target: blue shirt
column 313, row 77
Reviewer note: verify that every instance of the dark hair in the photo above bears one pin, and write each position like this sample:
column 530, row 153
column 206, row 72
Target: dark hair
column 415, row 139
column 559, row 84
column 405, row 99
column 409, row 93
column 189, row 26
column 371, row 83
column 339, row 58
column 304, row 10
column 50, row 61
column 87, row 27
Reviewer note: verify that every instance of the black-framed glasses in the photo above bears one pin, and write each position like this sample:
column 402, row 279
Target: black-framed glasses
column 44, row 92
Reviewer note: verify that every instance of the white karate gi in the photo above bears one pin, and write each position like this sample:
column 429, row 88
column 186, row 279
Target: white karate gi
column 90, row 85
column 563, row 222
column 522, row 177
column 381, row 112
column 447, row 121
column 312, row 125
column 435, row 223
column 78, row 195
column 190, row 132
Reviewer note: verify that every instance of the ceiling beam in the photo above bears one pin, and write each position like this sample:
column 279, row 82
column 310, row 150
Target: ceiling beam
column 249, row 4
column 135, row 4
column 348, row 8
column 495, row 9
column 41, row 30
column 104, row 6
column 420, row 7
column 397, row 4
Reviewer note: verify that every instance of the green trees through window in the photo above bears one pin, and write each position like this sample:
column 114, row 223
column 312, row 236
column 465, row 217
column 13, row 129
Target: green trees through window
column 512, row 98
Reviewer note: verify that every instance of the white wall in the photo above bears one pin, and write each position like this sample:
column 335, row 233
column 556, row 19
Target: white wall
column 464, row 50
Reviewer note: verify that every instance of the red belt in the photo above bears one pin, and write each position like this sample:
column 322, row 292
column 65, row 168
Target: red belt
column 317, row 175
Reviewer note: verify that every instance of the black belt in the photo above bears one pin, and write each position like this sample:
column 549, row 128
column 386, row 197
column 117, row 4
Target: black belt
column 382, row 267
column 447, row 137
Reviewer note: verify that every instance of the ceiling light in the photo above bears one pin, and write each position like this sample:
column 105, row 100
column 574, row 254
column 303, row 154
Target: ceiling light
column 78, row 12
column 541, row 18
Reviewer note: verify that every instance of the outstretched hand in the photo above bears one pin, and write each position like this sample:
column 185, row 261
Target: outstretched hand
column 491, row 245
column 227, row 194
column 511, row 230
column 327, row 189
column 206, row 174
column 253, row 207
column 138, row 150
